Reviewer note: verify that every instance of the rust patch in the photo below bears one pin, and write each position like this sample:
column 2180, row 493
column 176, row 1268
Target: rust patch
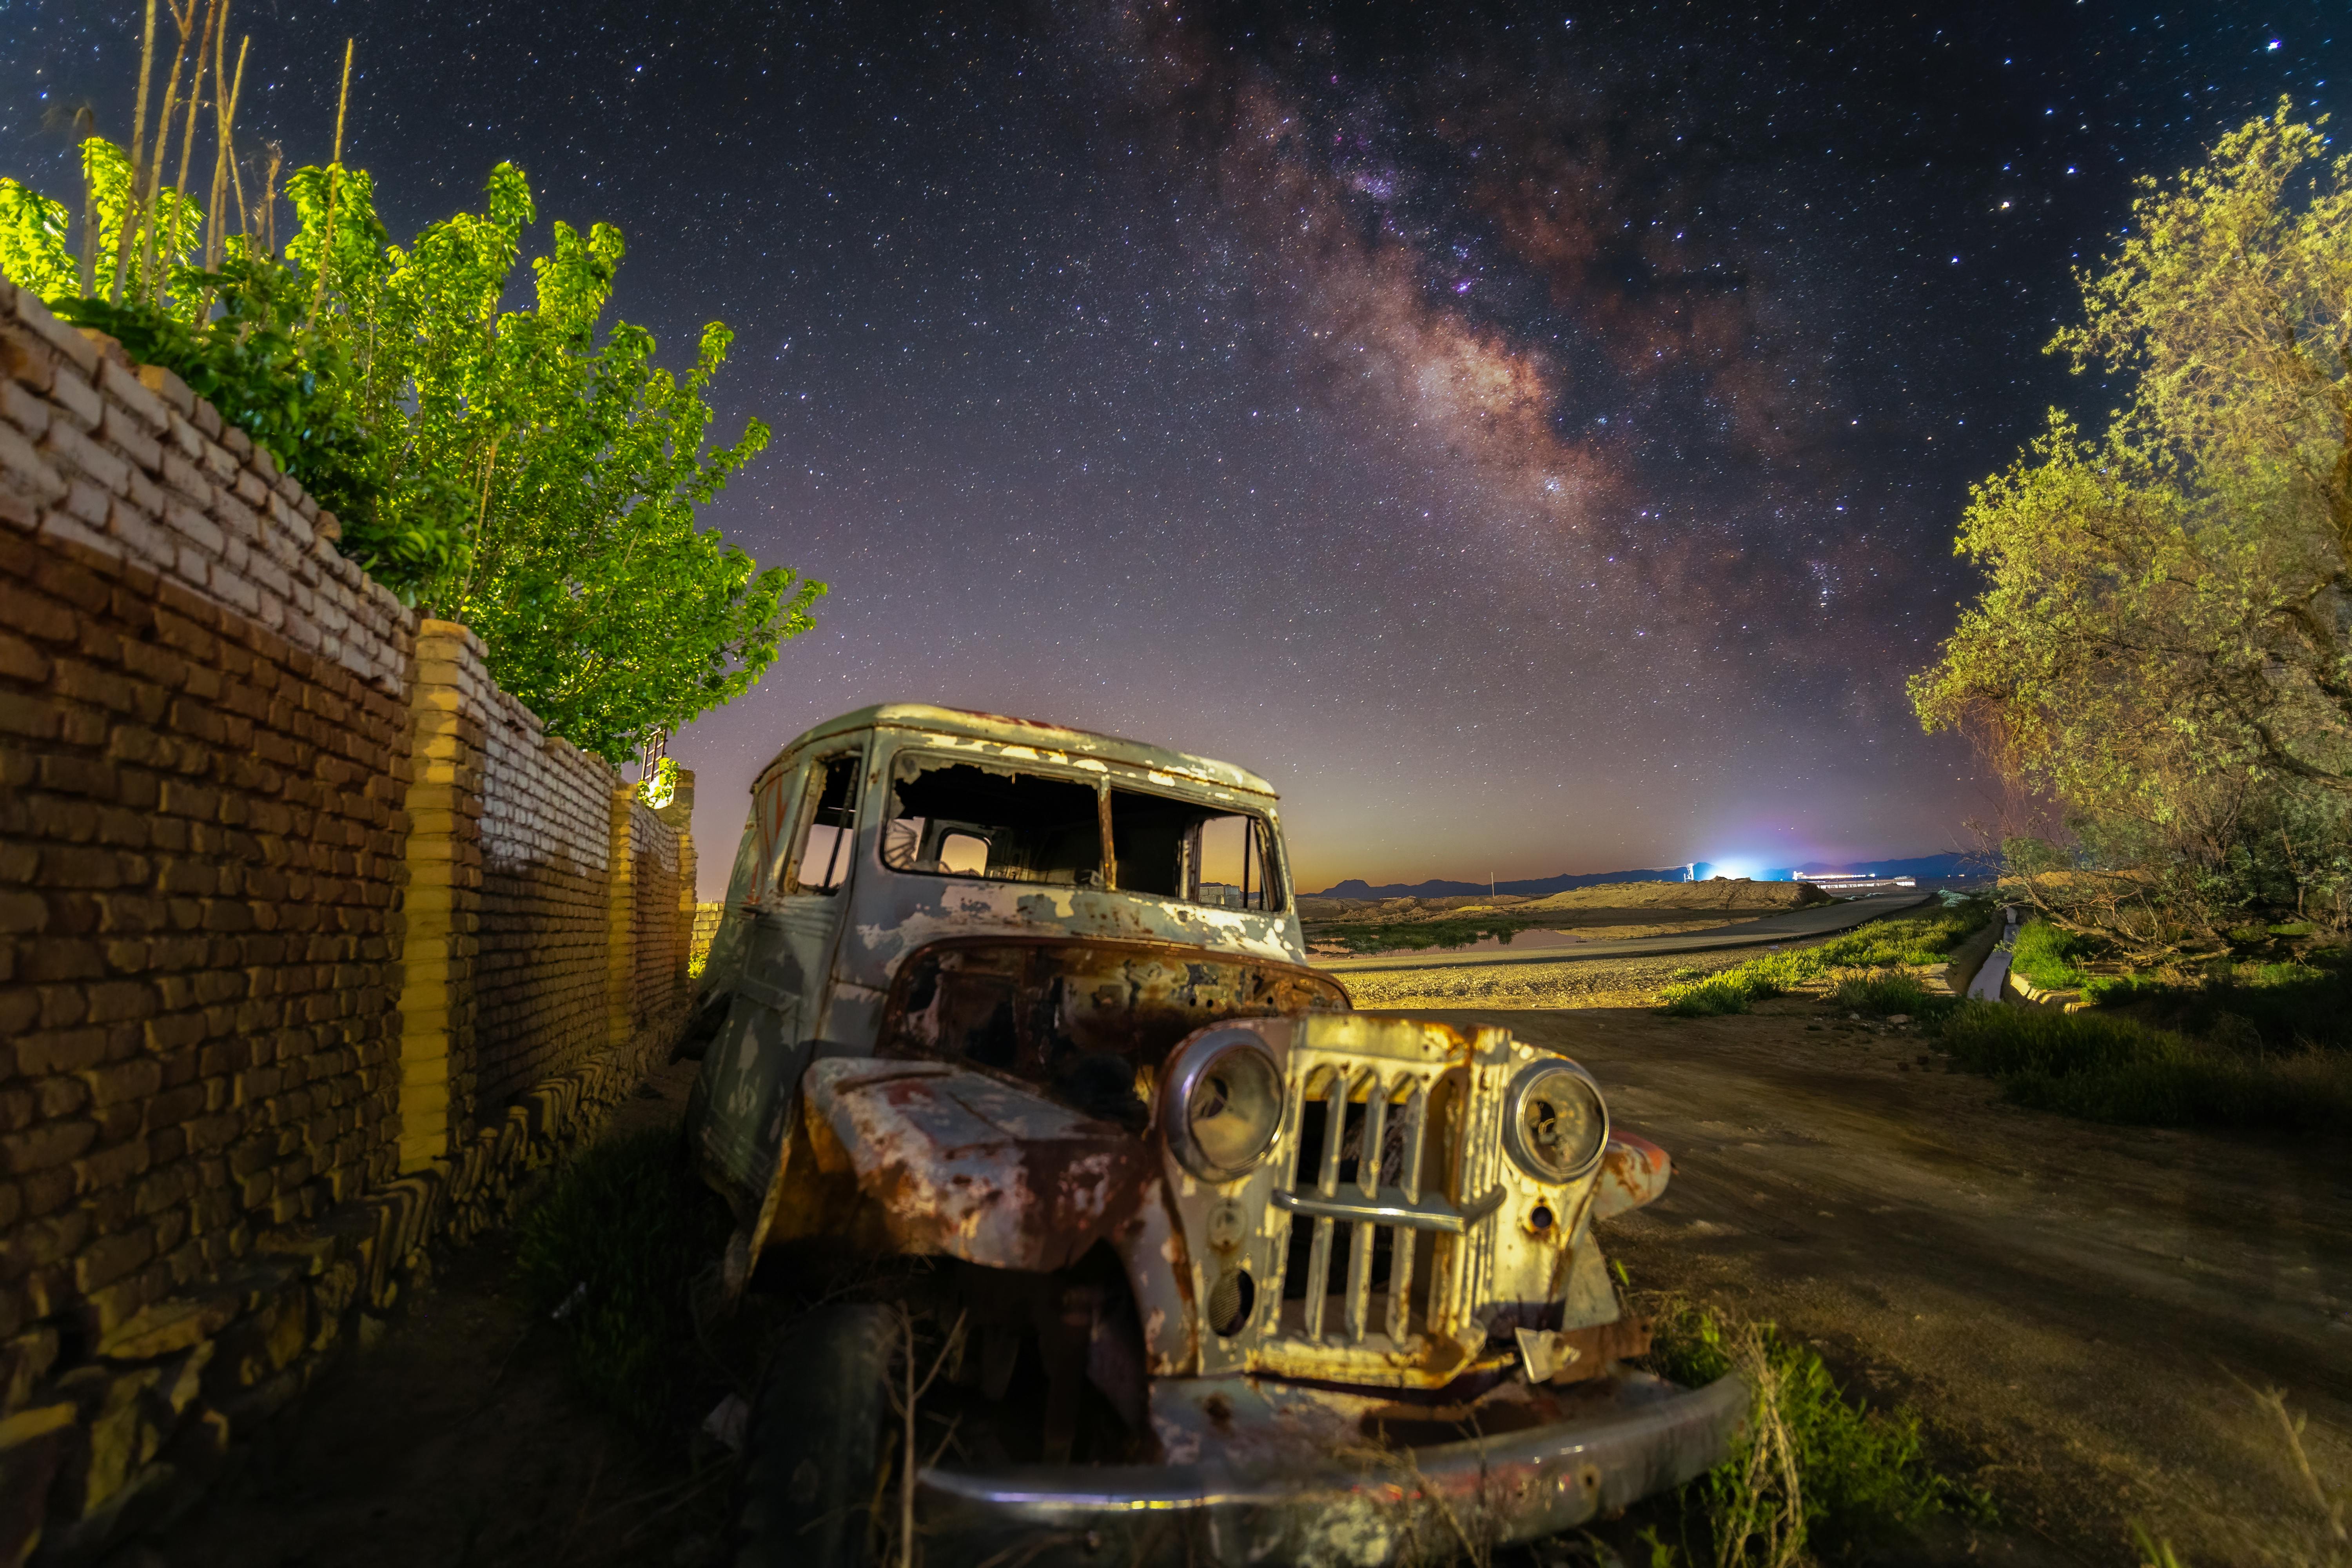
column 1633, row 1173
column 1597, row 1347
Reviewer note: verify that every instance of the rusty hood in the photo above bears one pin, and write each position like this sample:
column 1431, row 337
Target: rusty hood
column 961, row 1164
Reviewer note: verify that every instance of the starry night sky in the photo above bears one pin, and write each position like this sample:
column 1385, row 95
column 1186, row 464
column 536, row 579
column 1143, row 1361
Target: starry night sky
column 1531, row 437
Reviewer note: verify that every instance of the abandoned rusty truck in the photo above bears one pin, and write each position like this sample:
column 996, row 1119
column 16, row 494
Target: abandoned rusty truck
column 1009, row 1026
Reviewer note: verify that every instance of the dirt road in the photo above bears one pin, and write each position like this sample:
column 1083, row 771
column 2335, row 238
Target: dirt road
column 2071, row 1306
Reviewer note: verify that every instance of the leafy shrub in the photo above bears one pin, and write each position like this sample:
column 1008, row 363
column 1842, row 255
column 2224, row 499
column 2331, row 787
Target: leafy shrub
column 612, row 1248
column 249, row 363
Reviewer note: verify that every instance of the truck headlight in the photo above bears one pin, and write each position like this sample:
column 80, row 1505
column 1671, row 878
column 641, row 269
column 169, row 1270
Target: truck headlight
column 1223, row 1105
column 1554, row 1122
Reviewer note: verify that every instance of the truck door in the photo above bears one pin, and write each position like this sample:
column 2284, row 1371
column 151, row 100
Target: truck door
column 753, row 1069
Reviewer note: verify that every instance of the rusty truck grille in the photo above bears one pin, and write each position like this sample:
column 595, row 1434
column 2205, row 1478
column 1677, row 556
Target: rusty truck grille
column 1391, row 1186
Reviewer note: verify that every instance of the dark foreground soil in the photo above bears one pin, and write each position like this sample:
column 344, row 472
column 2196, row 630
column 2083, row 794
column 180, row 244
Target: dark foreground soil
column 459, row 1440
column 2078, row 1312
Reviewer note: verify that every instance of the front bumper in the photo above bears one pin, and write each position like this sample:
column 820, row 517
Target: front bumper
column 1349, row 1509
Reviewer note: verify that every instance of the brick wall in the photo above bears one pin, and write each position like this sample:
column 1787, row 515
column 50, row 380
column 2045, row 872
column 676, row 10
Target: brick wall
column 540, row 974
column 199, row 797
column 310, row 939
column 663, row 932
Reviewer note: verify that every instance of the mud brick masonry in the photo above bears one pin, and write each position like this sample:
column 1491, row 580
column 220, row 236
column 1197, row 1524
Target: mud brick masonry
column 312, row 941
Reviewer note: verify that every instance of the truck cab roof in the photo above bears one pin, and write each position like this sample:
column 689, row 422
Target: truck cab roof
column 1053, row 741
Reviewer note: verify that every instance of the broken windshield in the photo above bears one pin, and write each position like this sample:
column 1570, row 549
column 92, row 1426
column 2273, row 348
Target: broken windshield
column 955, row 817
column 1184, row 849
column 983, row 819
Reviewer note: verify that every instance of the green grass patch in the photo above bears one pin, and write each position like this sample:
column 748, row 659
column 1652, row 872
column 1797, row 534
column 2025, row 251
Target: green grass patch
column 1709, row 998
column 2288, row 1006
column 2116, row 1069
column 2045, row 955
column 1909, row 940
column 1821, row 1470
column 609, row 1254
column 1889, row 993
column 2121, row 990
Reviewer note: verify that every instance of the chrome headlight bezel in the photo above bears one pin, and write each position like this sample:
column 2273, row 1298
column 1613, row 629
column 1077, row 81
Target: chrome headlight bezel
column 1190, row 1073
column 1524, row 1086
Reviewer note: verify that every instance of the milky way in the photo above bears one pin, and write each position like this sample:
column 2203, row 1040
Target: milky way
column 1531, row 437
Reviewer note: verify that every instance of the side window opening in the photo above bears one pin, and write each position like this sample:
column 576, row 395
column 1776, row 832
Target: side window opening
column 1183, row 849
column 821, row 860
column 981, row 819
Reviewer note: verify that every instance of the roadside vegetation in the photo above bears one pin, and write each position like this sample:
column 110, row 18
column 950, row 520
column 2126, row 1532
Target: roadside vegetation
column 1911, row 940
column 2117, row 1069
column 1822, row 1472
column 2258, row 1041
column 607, row 1257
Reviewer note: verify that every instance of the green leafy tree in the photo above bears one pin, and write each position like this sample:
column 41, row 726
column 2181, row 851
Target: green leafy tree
column 532, row 473
column 540, row 478
column 2163, row 644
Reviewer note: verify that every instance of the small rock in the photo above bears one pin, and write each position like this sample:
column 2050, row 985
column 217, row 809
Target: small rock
column 1898, row 1017
column 725, row 1423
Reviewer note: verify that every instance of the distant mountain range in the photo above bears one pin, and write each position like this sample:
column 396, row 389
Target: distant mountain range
column 1919, row 866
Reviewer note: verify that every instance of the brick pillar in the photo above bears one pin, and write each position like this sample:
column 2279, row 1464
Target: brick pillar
column 679, row 815
column 443, row 904
column 621, row 923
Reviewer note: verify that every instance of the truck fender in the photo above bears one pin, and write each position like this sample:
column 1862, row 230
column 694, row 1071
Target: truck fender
column 1633, row 1173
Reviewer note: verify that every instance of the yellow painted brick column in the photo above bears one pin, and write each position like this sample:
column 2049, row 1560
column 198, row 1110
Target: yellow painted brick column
column 443, row 904
column 679, row 815
column 621, row 921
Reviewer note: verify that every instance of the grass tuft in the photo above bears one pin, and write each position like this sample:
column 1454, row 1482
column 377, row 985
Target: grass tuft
column 1709, row 998
column 609, row 1254
column 1888, row 993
